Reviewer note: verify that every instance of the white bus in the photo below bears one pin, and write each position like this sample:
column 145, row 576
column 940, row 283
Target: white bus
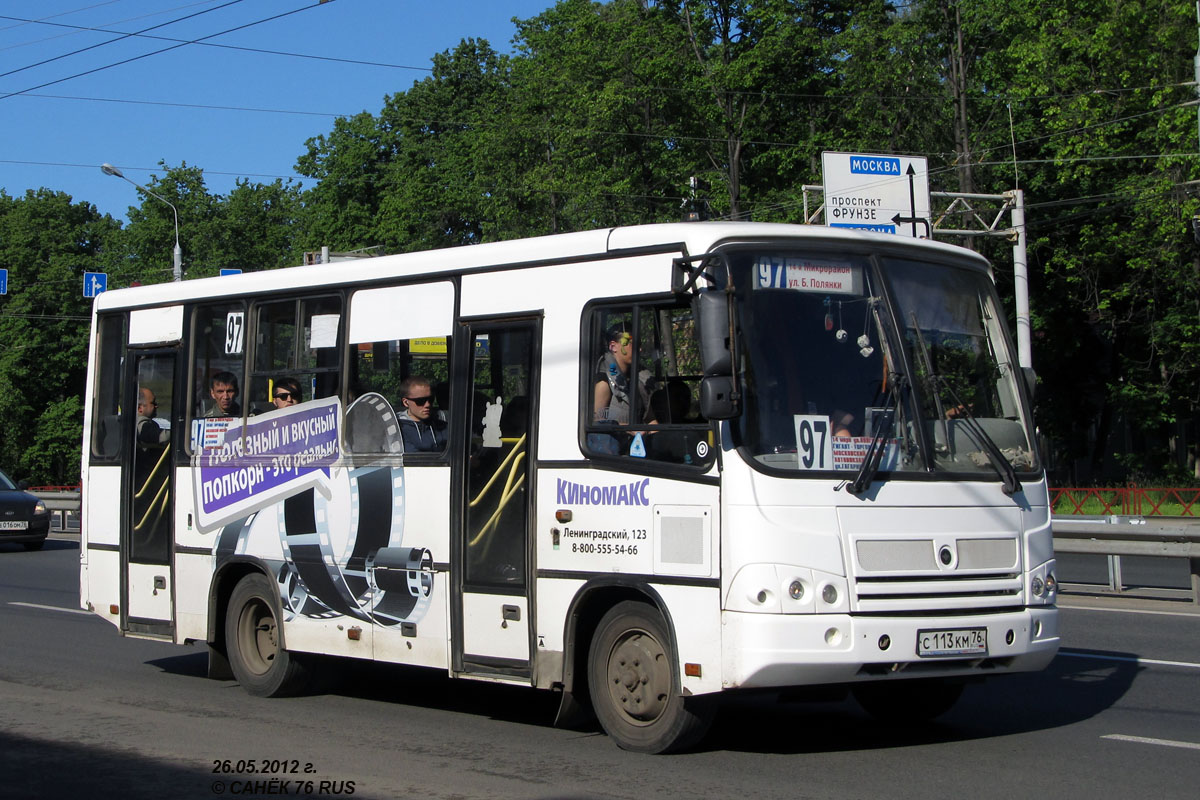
column 651, row 465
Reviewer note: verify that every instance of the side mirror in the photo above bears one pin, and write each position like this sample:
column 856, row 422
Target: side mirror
column 711, row 309
column 717, row 397
column 22, row 485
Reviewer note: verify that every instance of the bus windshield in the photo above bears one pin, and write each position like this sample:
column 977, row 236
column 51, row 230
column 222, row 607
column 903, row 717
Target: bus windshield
column 827, row 379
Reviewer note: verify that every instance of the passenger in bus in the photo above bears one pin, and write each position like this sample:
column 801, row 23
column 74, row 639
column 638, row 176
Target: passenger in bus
column 286, row 393
column 424, row 431
column 611, row 381
column 223, row 389
column 149, row 431
column 840, row 423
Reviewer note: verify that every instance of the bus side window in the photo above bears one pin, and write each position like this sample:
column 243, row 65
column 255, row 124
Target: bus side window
column 106, row 405
column 218, row 350
column 381, row 367
column 398, row 333
column 296, row 340
column 656, row 415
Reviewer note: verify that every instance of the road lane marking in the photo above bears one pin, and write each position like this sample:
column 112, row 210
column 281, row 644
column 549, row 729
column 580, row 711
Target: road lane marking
column 1132, row 659
column 1132, row 611
column 51, row 608
column 1120, row 737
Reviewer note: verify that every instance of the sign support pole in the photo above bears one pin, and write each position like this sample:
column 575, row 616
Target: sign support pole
column 1021, row 280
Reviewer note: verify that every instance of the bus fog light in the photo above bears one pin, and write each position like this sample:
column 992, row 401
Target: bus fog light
column 796, row 590
column 1037, row 587
column 833, row 637
column 829, row 594
column 1009, row 637
column 762, row 597
column 1037, row 629
column 885, row 642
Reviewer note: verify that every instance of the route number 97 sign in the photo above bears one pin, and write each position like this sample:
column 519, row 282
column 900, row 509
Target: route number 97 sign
column 235, row 332
column 814, row 442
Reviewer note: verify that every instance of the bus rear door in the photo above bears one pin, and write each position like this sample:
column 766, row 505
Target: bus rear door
column 147, row 529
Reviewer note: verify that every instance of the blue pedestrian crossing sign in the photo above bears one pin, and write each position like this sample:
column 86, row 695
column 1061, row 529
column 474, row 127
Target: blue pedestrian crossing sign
column 3, row 281
column 94, row 283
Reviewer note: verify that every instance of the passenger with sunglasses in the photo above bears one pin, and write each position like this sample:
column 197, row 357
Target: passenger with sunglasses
column 423, row 429
column 286, row 393
column 611, row 382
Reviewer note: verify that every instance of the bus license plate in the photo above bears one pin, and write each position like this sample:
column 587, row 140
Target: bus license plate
column 13, row 526
column 952, row 642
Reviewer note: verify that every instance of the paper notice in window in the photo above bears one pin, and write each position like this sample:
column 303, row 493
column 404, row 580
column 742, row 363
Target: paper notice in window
column 324, row 330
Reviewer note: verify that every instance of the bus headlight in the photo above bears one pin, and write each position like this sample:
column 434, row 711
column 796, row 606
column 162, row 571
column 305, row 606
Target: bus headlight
column 1043, row 586
column 773, row 589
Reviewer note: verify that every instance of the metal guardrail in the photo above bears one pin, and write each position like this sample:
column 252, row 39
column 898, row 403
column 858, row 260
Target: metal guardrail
column 63, row 505
column 1115, row 536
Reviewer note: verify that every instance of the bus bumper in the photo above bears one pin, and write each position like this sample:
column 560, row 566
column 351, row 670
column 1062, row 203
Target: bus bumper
column 779, row 650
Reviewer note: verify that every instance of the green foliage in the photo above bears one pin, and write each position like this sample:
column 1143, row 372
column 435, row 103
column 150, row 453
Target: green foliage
column 46, row 244
column 604, row 112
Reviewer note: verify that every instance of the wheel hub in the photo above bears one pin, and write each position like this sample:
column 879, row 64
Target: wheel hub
column 638, row 676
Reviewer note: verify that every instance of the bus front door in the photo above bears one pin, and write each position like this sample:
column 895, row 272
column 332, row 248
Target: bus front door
column 492, row 554
column 147, row 522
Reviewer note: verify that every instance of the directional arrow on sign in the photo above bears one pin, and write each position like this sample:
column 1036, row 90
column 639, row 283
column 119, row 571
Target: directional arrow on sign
column 900, row 219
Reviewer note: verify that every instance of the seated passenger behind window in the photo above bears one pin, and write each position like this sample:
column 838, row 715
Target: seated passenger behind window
column 286, row 393
column 149, row 431
column 423, row 430
column 223, row 389
column 611, row 381
column 840, row 423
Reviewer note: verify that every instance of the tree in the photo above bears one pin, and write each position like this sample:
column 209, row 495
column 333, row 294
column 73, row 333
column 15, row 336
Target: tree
column 46, row 243
column 255, row 227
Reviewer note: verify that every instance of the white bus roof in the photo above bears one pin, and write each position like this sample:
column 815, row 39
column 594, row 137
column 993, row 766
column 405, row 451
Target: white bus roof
column 697, row 237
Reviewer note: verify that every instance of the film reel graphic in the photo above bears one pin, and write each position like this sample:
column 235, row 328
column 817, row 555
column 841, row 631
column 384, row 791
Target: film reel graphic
column 363, row 572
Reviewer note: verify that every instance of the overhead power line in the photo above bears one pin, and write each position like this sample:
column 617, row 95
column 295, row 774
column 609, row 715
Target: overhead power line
column 102, row 44
column 260, row 51
column 164, row 50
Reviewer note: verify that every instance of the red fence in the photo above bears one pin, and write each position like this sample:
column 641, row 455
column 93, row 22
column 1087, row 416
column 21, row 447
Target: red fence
column 1127, row 500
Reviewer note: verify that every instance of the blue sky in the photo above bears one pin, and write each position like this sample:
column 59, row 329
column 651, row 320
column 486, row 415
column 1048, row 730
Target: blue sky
column 233, row 111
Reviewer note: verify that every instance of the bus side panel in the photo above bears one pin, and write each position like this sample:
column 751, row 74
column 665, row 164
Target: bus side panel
column 426, row 526
column 193, row 570
column 101, row 581
column 695, row 612
column 193, row 576
column 658, row 535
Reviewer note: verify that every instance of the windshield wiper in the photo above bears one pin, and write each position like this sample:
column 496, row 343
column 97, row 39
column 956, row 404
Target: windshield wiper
column 874, row 455
column 1002, row 465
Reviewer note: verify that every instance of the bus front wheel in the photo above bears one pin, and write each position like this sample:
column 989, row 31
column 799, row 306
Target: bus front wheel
column 631, row 678
column 252, row 638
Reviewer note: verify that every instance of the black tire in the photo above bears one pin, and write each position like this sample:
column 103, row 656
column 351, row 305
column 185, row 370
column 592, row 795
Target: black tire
column 34, row 545
column 631, row 677
column 908, row 701
column 252, row 641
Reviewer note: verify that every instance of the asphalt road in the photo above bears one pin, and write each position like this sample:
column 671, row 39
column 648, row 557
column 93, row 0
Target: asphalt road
column 85, row 713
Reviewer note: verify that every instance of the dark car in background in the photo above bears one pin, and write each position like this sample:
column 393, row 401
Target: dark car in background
column 23, row 517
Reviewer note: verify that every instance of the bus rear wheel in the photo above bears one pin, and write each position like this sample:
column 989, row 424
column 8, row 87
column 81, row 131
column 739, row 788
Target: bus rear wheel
column 252, row 638
column 631, row 678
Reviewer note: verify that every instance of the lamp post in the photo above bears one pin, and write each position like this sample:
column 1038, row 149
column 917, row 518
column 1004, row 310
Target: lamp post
column 177, row 261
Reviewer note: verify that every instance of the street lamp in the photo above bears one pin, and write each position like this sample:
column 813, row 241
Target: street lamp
column 177, row 264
